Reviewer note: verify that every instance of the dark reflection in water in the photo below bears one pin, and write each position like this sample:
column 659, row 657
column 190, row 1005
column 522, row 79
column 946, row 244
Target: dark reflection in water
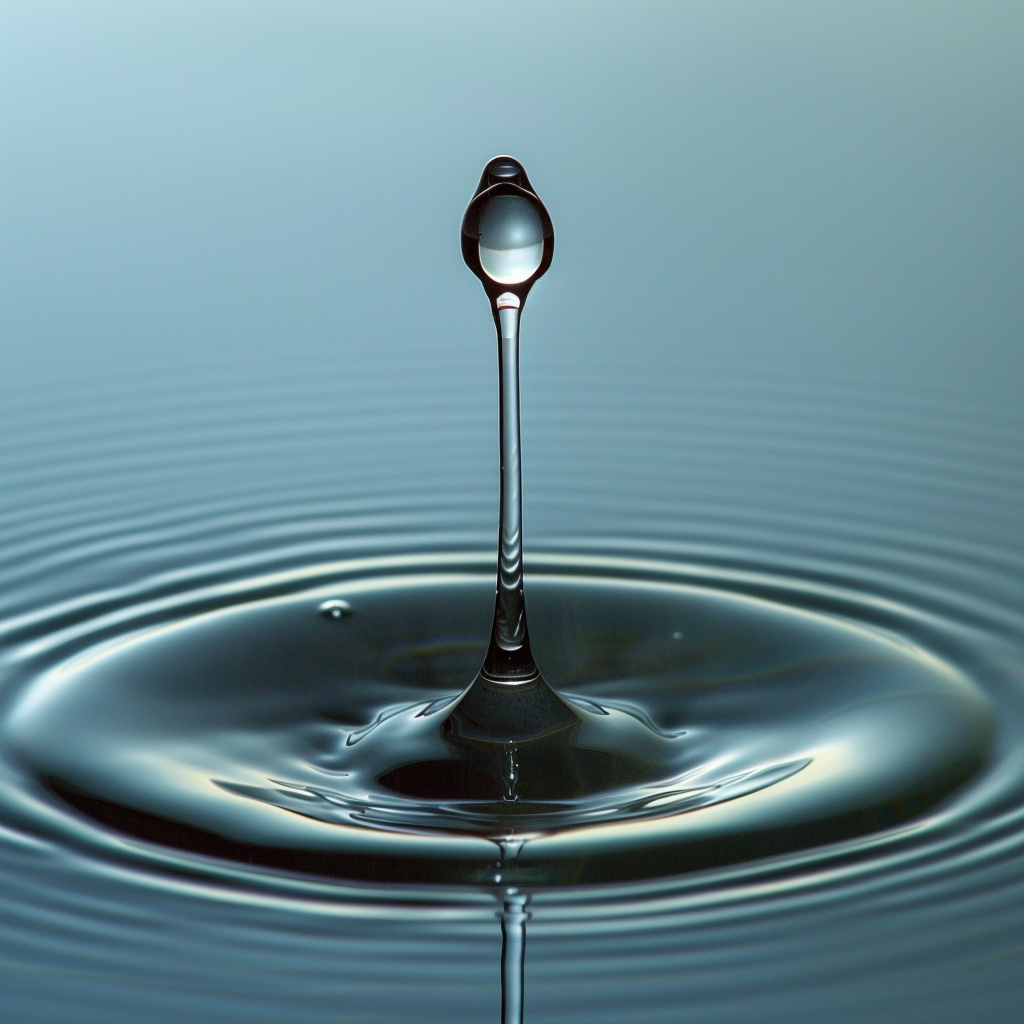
column 782, row 358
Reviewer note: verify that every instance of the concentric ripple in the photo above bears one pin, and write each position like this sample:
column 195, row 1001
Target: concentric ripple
column 109, row 542
column 900, row 524
column 263, row 732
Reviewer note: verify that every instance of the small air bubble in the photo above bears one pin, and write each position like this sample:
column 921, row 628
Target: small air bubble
column 677, row 635
column 335, row 609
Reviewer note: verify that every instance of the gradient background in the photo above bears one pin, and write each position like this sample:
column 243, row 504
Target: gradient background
column 769, row 216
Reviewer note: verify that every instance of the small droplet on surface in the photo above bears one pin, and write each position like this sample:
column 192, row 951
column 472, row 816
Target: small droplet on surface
column 336, row 609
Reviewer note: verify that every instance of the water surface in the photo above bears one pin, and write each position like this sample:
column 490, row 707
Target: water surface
column 778, row 353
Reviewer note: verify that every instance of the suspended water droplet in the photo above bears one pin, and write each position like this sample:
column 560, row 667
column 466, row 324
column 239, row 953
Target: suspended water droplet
column 511, row 239
column 336, row 609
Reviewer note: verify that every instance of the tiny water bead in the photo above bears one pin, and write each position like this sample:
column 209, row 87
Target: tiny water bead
column 335, row 610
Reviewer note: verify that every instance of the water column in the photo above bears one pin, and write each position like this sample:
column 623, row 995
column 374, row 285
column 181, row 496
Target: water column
column 508, row 241
column 509, row 658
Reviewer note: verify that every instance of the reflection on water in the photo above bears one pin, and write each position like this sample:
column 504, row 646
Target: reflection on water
column 778, row 371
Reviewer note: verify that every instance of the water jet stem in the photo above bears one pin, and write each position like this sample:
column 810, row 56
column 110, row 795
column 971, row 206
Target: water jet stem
column 508, row 658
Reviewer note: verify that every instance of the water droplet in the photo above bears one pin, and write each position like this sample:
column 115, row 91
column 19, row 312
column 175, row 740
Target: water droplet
column 511, row 239
column 677, row 635
column 336, row 609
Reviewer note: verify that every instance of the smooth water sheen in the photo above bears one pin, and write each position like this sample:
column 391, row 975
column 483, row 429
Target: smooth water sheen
column 773, row 488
